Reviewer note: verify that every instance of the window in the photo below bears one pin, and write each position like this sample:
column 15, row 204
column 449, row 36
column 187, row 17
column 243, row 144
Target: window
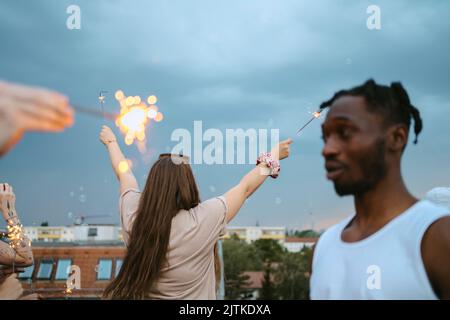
column 45, row 270
column 92, row 232
column 118, row 265
column 104, row 269
column 63, row 268
column 27, row 274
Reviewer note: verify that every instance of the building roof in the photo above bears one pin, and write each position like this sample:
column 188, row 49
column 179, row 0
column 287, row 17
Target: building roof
column 300, row 239
column 96, row 243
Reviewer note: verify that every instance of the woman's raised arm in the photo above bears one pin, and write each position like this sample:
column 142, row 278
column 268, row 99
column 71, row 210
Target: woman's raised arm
column 237, row 195
column 126, row 178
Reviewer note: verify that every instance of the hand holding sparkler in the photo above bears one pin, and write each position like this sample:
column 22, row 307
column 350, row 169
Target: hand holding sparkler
column 24, row 108
column 107, row 136
column 282, row 149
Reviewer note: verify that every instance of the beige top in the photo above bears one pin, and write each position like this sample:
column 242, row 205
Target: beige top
column 190, row 271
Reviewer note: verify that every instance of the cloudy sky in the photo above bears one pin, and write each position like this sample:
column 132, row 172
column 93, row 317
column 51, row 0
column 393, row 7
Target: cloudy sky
column 231, row 64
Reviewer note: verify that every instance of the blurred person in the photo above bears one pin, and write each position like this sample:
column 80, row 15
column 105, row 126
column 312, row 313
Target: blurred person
column 26, row 108
column 15, row 254
column 169, row 233
column 10, row 288
column 395, row 246
column 19, row 253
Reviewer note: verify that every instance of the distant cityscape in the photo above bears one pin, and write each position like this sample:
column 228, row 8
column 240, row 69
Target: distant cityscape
column 112, row 234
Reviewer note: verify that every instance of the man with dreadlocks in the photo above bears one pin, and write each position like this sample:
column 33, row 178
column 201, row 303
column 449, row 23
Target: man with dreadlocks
column 395, row 246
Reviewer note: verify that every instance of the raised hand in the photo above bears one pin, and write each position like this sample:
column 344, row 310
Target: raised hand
column 25, row 108
column 282, row 149
column 7, row 201
column 107, row 136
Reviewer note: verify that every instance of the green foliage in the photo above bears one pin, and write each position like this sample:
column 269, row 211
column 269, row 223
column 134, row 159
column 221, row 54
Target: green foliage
column 238, row 257
column 286, row 275
column 268, row 290
column 292, row 276
column 306, row 234
column 269, row 250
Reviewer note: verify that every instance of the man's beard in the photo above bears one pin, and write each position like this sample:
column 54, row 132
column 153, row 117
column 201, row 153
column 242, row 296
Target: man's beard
column 373, row 166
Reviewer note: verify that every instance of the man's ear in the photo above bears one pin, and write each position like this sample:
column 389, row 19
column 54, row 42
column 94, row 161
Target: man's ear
column 396, row 137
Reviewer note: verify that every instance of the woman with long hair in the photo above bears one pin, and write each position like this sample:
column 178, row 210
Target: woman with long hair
column 170, row 234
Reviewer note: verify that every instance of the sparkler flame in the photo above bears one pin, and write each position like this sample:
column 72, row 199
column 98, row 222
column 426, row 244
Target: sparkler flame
column 68, row 291
column 15, row 234
column 135, row 115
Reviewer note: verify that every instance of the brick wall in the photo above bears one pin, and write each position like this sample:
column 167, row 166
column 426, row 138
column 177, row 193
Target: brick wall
column 86, row 258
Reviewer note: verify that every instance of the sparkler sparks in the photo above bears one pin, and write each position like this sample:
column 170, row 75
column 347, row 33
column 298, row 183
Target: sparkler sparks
column 15, row 234
column 316, row 114
column 135, row 115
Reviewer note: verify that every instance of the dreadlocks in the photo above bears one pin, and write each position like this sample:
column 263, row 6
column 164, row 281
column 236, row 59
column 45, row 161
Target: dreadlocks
column 392, row 101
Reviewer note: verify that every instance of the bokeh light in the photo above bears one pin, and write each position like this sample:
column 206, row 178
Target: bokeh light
column 135, row 116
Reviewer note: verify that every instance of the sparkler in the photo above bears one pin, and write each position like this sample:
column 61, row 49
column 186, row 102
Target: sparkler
column 101, row 98
column 95, row 113
column 134, row 114
column 15, row 234
column 316, row 114
column 16, row 237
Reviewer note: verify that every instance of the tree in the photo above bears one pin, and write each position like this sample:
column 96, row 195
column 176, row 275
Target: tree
column 306, row 234
column 268, row 290
column 292, row 275
column 269, row 250
column 238, row 257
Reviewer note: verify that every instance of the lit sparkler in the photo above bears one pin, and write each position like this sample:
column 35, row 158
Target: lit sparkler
column 316, row 114
column 15, row 234
column 135, row 115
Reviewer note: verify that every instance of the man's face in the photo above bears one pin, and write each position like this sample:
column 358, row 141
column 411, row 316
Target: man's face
column 354, row 149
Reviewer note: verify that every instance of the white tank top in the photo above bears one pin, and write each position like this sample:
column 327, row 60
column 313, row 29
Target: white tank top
column 386, row 265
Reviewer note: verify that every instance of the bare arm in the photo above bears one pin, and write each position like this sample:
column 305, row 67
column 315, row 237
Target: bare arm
column 119, row 163
column 26, row 108
column 237, row 195
column 18, row 251
column 436, row 256
column 23, row 256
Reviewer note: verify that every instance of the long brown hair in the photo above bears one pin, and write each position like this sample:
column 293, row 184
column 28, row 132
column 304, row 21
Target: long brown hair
column 170, row 187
